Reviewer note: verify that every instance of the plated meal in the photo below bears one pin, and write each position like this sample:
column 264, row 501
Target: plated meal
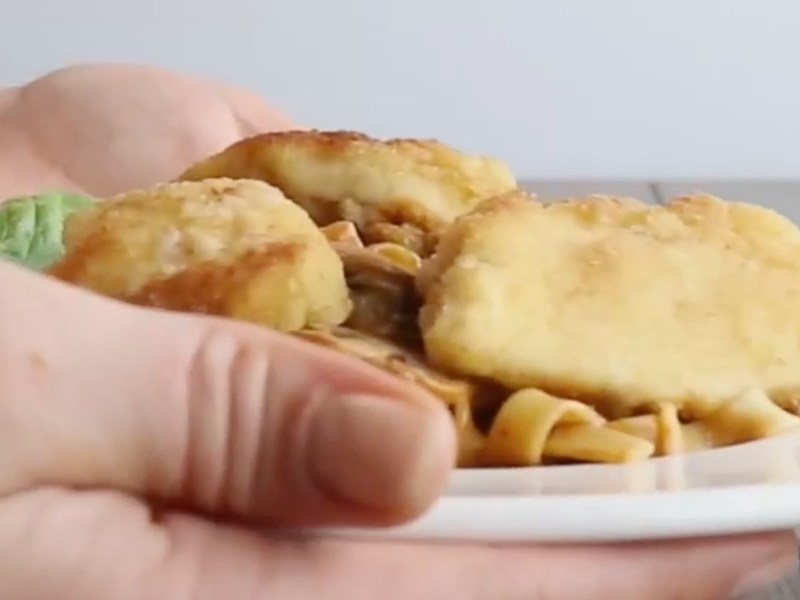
column 587, row 330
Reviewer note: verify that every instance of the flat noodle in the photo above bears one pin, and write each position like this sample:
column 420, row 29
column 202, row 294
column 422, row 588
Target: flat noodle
column 344, row 237
column 653, row 428
column 405, row 234
column 642, row 426
column 401, row 257
column 521, row 428
column 470, row 445
column 342, row 232
column 669, row 433
column 749, row 416
column 590, row 443
column 696, row 437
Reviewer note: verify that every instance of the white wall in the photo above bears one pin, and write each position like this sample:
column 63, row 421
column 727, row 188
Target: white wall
column 560, row 88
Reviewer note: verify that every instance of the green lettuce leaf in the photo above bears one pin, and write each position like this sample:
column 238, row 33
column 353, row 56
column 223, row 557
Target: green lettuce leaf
column 32, row 227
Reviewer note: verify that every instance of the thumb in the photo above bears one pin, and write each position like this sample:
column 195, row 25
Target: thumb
column 207, row 415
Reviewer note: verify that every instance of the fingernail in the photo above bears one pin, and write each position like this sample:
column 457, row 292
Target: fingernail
column 380, row 453
column 763, row 576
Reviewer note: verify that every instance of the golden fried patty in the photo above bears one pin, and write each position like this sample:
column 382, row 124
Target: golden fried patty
column 233, row 248
column 349, row 176
column 619, row 303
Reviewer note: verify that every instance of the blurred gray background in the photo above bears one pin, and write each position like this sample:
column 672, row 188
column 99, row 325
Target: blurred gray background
column 561, row 89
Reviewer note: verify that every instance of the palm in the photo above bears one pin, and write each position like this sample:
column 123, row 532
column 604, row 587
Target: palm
column 57, row 543
column 104, row 129
column 104, row 545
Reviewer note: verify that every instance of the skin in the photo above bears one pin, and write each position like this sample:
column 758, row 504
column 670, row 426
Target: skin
column 146, row 454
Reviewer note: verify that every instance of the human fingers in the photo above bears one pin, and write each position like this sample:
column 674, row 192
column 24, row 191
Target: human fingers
column 205, row 414
column 246, row 566
column 231, row 562
column 107, row 128
column 123, row 553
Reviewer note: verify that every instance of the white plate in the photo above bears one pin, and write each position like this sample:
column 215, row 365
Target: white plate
column 746, row 488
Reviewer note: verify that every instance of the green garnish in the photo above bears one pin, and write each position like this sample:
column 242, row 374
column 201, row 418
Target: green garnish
column 32, row 227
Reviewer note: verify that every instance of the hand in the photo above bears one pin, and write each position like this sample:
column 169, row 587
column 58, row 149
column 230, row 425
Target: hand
column 146, row 454
column 106, row 129
column 142, row 452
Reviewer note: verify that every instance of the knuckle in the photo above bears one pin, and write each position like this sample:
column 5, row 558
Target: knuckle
column 244, row 419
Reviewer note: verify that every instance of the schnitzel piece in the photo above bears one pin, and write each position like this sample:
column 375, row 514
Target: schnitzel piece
column 238, row 249
column 348, row 176
column 342, row 175
column 622, row 305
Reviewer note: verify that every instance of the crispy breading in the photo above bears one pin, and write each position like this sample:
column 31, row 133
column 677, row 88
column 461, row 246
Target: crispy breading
column 232, row 248
column 618, row 303
column 344, row 175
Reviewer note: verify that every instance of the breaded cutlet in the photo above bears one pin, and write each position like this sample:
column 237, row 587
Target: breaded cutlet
column 238, row 249
column 618, row 303
column 341, row 175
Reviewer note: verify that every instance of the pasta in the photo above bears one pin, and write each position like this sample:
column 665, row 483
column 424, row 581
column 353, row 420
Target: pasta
column 532, row 425
column 749, row 416
column 666, row 432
